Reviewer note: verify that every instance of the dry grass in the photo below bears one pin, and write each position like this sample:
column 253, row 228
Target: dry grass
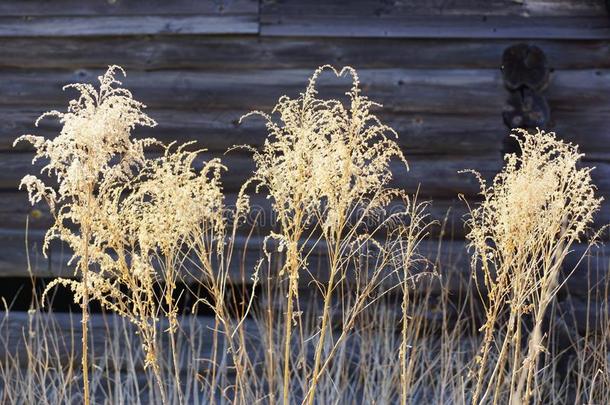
column 121, row 213
column 343, row 306
column 326, row 168
column 538, row 206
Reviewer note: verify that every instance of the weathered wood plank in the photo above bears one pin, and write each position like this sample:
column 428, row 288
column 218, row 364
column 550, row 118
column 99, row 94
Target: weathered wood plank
column 16, row 165
column 119, row 25
column 419, row 133
column 455, row 91
column 585, row 270
column 421, row 19
column 600, row 176
column 218, row 130
column 447, row 214
column 361, row 8
column 21, row 257
column 437, row 180
column 585, row 315
column 125, row 7
column 368, row 9
column 17, row 251
column 57, row 336
column 459, row 91
column 450, row 213
column 16, row 207
column 243, row 52
column 215, row 130
column 482, row 27
column 451, row 257
column 436, row 176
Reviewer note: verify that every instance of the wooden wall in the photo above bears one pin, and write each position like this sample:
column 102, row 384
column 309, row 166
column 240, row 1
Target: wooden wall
column 200, row 65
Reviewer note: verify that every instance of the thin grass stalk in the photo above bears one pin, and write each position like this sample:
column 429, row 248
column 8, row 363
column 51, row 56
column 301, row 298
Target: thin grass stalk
column 334, row 269
column 402, row 353
column 170, row 286
column 84, row 265
column 520, row 231
column 292, row 294
column 547, row 292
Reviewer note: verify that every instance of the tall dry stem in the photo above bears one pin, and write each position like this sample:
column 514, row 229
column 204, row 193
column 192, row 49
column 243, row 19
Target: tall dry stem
column 127, row 218
column 325, row 166
column 536, row 208
column 95, row 129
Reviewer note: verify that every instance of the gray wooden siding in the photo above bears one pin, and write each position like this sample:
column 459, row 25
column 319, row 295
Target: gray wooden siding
column 200, row 65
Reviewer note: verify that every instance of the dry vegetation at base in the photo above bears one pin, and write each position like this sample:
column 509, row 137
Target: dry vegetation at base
column 376, row 323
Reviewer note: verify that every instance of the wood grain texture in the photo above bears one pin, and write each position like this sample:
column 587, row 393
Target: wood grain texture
column 481, row 27
column 125, row 7
column 419, row 133
column 435, row 176
column 436, row 19
column 246, row 52
column 294, row 7
column 433, row 179
column 121, row 25
column 19, row 329
column 22, row 255
column 401, row 90
column 219, row 130
column 448, row 214
column 435, row 8
column 455, row 91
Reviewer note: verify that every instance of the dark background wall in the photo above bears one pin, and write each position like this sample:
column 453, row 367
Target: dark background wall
column 199, row 65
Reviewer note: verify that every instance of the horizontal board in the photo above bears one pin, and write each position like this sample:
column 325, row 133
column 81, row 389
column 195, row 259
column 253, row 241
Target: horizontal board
column 448, row 214
column 459, row 91
column 360, row 8
column 213, row 130
column 435, row 176
column 436, row 19
column 18, row 165
column 455, row 91
column 247, row 252
column 426, row 172
column 244, row 52
column 443, row 26
column 585, row 271
column 419, row 133
column 218, row 130
column 22, row 256
column 370, row 9
column 62, row 333
column 120, row 25
column 125, row 7
column 15, row 208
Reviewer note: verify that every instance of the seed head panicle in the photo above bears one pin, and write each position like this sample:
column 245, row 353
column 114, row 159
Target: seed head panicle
column 95, row 130
column 172, row 203
column 323, row 155
column 93, row 150
column 541, row 194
